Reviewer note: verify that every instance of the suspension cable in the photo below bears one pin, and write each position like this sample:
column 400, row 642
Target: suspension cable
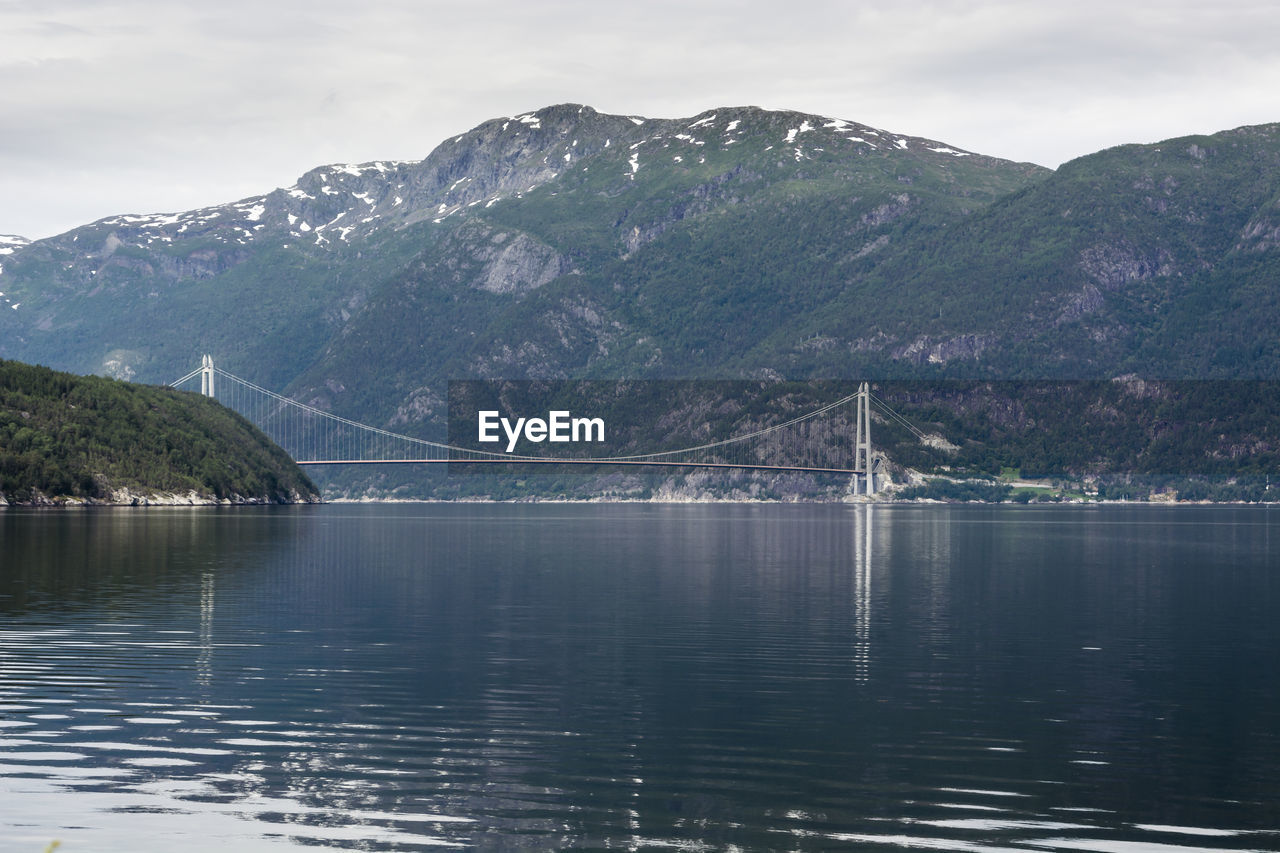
column 887, row 408
column 443, row 446
column 519, row 457
column 190, row 375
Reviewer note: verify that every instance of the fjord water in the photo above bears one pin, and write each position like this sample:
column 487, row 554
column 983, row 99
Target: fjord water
column 708, row 677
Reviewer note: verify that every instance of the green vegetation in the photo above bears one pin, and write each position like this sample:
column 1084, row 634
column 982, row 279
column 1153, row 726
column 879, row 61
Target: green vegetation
column 947, row 490
column 1220, row 428
column 1131, row 439
column 65, row 436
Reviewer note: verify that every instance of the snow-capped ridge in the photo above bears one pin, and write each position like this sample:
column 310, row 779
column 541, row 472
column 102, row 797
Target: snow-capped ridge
column 10, row 243
column 502, row 158
column 795, row 126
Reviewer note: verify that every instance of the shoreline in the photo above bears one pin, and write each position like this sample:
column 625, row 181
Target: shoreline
column 855, row 502
column 126, row 498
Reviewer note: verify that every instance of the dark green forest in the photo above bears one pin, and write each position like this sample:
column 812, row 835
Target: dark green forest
column 82, row 437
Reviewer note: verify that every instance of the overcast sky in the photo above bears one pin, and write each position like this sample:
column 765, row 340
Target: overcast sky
column 133, row 106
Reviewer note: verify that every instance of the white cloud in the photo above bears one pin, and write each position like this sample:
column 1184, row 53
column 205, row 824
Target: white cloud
column 122, row 105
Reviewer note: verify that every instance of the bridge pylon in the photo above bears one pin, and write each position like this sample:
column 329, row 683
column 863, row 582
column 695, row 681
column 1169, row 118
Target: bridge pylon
column 206, row 376
column 862, row 441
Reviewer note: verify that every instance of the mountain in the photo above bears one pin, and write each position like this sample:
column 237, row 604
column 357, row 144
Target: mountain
column 90, row 439
column 1152, row 259
column 270, row 282
column 672, row 252
column 736, row 243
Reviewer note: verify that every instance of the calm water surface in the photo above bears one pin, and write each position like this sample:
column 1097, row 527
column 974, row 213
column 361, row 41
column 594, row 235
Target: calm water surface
column 548, row 677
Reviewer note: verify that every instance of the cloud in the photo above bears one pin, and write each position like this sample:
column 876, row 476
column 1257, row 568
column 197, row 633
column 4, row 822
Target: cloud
column 168, row 106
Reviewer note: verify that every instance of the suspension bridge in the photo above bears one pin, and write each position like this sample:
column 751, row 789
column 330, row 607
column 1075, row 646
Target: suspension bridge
column 818, row 441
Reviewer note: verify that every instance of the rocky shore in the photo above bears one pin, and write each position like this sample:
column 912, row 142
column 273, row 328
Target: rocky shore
column 127, row 497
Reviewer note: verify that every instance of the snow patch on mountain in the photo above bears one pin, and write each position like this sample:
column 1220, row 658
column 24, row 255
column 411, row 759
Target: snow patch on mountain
column 804, row 127
column 499, row 159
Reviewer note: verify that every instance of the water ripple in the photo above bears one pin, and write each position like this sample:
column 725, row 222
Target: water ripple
column 708, row 678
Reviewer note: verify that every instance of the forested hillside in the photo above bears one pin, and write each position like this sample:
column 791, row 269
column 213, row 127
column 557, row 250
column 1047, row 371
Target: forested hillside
column 90, row 438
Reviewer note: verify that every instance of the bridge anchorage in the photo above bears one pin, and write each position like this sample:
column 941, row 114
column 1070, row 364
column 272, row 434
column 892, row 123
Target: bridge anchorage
column 816, row 442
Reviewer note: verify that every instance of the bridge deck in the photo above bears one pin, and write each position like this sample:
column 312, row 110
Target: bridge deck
column 637, row 463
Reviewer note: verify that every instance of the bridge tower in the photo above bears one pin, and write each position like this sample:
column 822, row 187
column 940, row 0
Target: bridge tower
column 206, row 375
column 862, row 440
